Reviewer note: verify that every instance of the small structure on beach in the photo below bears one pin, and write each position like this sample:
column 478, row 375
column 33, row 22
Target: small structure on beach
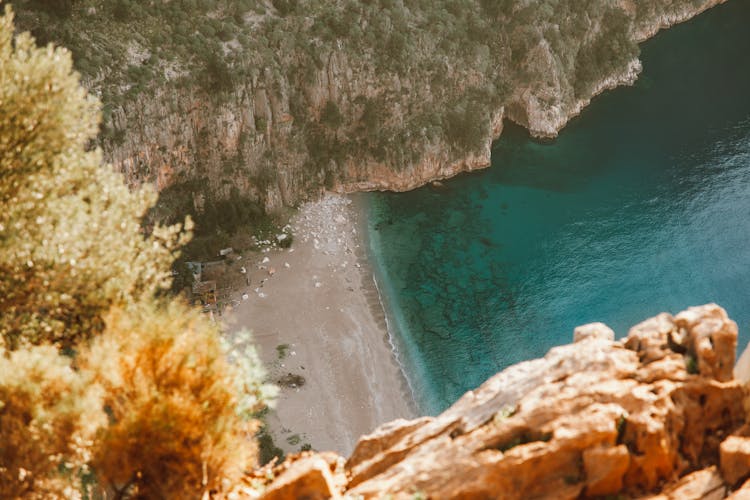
column 196, row 269
column 206, row 291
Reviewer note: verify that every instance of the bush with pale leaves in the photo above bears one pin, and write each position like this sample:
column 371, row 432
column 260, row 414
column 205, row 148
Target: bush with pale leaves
column 147, row 401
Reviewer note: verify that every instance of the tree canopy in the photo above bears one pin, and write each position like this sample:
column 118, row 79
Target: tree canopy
column 101, row 384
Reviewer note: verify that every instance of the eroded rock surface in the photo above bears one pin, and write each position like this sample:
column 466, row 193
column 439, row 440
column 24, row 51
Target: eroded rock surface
column 654, row 415
column 593, row 330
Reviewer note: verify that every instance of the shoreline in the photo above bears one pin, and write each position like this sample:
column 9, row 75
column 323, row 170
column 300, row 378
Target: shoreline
column 320, row 328
column 394, row 334
column 380, row 310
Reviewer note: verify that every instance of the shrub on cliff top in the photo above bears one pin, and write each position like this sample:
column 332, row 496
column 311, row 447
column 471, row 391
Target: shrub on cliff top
column 49, row 414
column 149, row 399
column 71, row 244
column 179, row 410
column 466, row 126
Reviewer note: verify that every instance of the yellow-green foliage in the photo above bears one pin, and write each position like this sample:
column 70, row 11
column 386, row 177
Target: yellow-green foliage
column 70, row 239
column 49, row 414
column 149, row 402
column 179, row 426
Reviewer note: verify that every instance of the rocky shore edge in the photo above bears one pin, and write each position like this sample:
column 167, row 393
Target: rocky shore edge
column 657, row 414
column 525, row 109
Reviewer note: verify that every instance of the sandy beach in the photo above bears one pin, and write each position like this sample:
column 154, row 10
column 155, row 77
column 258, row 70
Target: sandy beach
column 318, row 323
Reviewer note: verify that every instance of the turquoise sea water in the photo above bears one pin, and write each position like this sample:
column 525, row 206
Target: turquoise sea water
column 641, row 205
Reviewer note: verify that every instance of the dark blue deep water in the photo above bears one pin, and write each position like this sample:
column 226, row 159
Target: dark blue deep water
column 641, row 205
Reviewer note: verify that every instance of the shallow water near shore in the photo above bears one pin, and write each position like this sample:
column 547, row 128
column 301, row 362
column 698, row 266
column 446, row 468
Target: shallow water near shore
column 641, row 205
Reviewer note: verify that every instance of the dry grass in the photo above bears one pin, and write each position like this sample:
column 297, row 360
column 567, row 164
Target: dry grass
column 49, row 414
column 175, row 430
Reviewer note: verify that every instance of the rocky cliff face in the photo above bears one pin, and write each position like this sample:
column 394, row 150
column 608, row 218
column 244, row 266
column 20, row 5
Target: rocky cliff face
column 657, row 414
column 271, row 139
column 545, row 108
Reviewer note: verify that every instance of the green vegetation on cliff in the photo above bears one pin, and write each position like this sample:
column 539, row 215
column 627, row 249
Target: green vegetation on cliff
column 470, row 53
column 305, row 94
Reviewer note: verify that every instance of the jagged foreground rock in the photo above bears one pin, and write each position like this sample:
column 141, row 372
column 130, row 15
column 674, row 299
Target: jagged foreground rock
column 657, row 413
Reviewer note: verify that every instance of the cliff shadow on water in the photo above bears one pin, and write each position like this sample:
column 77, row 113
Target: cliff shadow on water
column 639, row 206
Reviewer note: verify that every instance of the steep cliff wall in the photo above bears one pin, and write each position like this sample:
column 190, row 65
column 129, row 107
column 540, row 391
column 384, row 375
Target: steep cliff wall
column 298, row 97
column 656, row 413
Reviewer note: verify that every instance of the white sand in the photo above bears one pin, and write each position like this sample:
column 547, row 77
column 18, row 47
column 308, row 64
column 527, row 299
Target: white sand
column 322, row 303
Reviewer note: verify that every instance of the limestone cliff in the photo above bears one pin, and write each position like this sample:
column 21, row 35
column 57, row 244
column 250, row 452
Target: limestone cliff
column 299, row 97
column 656, row 413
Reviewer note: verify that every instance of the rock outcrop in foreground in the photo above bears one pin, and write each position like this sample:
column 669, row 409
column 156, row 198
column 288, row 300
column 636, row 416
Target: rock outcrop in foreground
column 655, row 415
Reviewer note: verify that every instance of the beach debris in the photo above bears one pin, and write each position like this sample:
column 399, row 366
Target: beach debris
column 245, row 296
column 265, row 260
column 271, row 271
column 318, row 284
column 225, row 251
column 281, row 350
column 243, row 270
column 286, row 265
column 284, row 240
column 291, row 380
column 358, row 265
column 262, row 295
column 294, row 440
